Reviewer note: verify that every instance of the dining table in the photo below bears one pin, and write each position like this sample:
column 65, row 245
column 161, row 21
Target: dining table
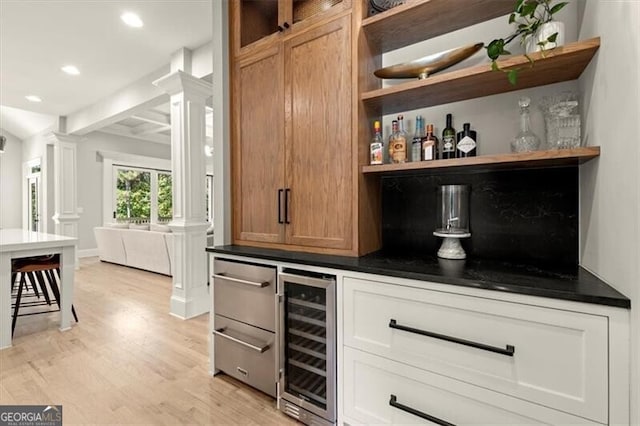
column 21, row 243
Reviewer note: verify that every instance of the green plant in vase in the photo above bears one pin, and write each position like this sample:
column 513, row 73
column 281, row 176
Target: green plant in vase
column 529, row 18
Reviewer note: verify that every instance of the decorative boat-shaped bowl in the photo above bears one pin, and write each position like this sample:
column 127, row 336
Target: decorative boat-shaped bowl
column 425, row 66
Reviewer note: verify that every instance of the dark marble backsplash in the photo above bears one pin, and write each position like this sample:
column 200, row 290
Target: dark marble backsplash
column 515, row 215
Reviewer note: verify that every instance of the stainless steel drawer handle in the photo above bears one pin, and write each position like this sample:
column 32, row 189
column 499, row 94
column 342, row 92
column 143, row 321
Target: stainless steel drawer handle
column 509, row 351
column 241, row 281
column 393, row 401
column 220, row 332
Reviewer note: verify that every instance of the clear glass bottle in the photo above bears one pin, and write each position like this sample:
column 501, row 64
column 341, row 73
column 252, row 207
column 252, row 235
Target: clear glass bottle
column 416, row 143
column 525, row 140
column 377, row 145
column 397, row 143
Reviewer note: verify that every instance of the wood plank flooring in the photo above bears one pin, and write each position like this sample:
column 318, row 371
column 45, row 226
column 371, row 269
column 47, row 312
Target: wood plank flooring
column 127, row 361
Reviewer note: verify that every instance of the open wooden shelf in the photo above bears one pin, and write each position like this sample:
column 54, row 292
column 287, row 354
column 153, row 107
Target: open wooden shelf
column 535, row 159
column 419, row 20
column 563, row 63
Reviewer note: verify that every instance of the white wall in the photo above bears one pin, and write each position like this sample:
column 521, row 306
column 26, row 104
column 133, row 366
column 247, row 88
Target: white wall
column 610, row 186
column 90, row 171
column 495, row 118
column 10, row 183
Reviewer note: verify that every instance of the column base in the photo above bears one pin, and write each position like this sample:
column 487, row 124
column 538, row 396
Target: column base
column 197, row 304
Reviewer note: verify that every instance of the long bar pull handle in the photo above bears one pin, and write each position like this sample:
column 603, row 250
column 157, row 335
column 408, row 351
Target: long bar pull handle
column 287, row 191
column 241, row 281
column 509, row 351
column 393, row 401
column 280, row 191
column 220, row 332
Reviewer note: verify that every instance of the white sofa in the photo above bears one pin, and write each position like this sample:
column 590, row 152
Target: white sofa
column 148, row 250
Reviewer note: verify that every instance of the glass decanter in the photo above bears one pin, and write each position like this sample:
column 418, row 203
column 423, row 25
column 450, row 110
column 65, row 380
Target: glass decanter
column 525, row 140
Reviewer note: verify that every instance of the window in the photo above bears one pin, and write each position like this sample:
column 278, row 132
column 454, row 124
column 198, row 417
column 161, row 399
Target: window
column 133, row 195
column 165, row 199
column 209, row 198
column 142, row 195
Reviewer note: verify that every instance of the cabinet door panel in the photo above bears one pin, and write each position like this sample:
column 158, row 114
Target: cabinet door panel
column 318, row 126
column 258, row 147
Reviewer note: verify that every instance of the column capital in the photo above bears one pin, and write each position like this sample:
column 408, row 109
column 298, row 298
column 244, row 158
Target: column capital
column 180, row 81
column 54, row 137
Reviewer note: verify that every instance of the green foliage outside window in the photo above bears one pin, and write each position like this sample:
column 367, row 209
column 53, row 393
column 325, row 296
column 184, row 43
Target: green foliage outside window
column 133, row 194
column 165, row 207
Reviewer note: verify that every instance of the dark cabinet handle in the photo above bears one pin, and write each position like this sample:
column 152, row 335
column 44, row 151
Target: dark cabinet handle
column 287, row 191
column 393, row 401
column 286, row 25
column 280, row 205
column 280, row 28
column 509, row 351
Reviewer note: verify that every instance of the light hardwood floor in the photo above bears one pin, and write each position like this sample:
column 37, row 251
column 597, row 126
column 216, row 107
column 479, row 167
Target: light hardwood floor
column 127, row 361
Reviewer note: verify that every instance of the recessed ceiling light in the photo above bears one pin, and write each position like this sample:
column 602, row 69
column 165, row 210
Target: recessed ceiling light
column 33, row 98
column 71, row 69
column 131, row 19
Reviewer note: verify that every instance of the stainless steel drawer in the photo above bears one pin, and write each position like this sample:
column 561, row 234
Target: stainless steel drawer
column 245, row 292
column 246, row 353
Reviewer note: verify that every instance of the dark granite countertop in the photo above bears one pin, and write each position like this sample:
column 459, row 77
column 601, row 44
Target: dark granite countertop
column 575, row 284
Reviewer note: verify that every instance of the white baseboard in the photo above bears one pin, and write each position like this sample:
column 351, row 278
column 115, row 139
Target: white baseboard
column 88, row 253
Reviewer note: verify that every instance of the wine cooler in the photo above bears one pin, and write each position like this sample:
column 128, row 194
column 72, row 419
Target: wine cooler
column 307, row 384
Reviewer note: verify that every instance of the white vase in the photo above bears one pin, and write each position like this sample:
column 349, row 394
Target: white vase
column 543, row 33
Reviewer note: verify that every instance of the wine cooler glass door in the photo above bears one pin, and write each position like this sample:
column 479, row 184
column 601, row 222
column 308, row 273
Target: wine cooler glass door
column 308, row 349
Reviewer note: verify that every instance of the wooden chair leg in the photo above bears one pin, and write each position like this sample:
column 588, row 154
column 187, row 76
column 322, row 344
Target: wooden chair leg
column 14, row 275
column 17, row 307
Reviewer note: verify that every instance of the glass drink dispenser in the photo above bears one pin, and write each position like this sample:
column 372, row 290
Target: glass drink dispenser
column 452, row 220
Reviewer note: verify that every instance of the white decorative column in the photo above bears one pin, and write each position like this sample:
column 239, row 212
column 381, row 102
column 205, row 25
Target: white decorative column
column 65, row 185
column 190, row 296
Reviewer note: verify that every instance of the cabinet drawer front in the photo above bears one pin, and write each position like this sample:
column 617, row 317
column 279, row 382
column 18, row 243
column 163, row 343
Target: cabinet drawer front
column 370, row 381
column 246, row 353
column 559, row 358
column 245, row 293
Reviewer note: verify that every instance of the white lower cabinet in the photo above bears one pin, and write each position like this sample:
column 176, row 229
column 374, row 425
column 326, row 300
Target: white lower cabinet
column 381, row 391
column 549, row 357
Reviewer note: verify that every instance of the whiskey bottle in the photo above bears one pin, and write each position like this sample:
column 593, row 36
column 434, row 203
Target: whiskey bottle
column 448, row 141
column 416, row 143
column 377, row 145
column 429, row 145
column 397, row 144
column 467, row 142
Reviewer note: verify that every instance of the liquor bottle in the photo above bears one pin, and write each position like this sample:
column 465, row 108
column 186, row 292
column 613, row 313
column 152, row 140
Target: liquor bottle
column 416, row 143
column 448, row 141
column 429, row 145
column 467, row 142
column 397, row 144
column 377, row 145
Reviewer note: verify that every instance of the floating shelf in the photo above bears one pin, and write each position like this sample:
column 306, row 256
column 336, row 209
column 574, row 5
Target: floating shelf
column 419, row 20
column 535, row 159
column 563, row 63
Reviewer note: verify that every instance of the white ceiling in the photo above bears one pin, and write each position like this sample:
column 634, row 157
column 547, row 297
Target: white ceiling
column 37, row 38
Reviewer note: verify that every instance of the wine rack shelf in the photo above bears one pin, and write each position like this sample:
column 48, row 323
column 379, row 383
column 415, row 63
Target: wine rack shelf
column 418, row 20
column 563, row 63
column 521, row 160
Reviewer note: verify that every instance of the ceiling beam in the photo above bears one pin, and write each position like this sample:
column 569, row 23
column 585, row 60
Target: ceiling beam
column 155, row 117
column 122, row 130
column 134, row 98
column 149, row 128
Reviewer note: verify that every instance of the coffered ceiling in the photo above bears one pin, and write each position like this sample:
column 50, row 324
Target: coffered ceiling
column 37, row 38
